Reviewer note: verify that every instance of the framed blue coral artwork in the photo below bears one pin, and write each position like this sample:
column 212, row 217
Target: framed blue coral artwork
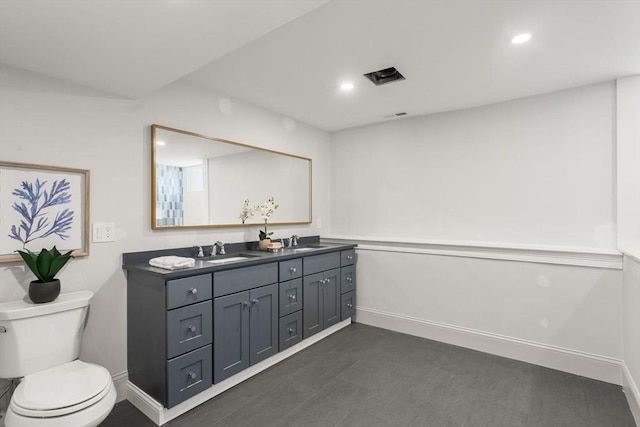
column 42, row 207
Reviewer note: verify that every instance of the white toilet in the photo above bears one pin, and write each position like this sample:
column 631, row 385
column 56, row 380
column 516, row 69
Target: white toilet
column 40, row 344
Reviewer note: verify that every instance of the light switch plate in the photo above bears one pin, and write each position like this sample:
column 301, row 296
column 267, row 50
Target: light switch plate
column 104, row 232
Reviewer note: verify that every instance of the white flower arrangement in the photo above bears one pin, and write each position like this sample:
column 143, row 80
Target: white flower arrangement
column 264, row 210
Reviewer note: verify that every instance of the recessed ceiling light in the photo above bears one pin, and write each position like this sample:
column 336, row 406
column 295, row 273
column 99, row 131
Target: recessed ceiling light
column 346, row 86
column 521, row 38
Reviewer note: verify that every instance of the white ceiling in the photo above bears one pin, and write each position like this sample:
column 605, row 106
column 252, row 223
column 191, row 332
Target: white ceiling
column 291, row 56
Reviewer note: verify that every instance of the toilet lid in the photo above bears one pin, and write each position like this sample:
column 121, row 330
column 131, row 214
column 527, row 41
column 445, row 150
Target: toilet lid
column 61, row 390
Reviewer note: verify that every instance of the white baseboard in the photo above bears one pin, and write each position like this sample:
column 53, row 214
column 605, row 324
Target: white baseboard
column 632, row 392
column 160, row 415
column 576, row 362
column 120, row 382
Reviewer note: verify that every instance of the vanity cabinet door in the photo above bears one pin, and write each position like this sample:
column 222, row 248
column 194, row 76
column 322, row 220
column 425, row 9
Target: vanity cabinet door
column 347, row 279
column 264, row 323
column 348, row 304
column 321, row 301
column 231, row 335
column 331, row 298
column 188, row 375
column 290, row 296
column 312, row 303
column 290, row 330
column 348, row 257
column 188, row 328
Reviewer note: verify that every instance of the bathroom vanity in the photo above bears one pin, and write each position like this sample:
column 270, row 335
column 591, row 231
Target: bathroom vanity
column 195, row 332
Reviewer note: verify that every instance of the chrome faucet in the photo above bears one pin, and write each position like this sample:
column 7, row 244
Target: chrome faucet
column 200, row 253
column 220, row 245
column 293, row 241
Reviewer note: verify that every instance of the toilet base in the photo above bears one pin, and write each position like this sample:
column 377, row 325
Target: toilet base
column 88, row 417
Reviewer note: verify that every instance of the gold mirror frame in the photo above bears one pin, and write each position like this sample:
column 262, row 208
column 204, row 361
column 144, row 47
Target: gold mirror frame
column 235, row 146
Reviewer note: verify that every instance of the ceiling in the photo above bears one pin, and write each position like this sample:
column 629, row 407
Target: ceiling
column 290, row 56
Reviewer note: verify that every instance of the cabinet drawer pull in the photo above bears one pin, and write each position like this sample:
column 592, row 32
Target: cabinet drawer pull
column 292, row 297
column 349, row 279
column 193, row 291
column 350, row 257
column 191, row 375
column 349, row 305
column 291, row 331
column 191, row 328
column 292, row 270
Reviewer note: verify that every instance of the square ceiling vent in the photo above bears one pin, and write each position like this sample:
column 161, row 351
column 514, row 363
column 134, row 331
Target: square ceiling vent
column 384, row 76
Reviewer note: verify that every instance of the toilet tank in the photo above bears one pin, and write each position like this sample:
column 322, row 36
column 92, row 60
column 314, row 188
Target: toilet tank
column 34, row 337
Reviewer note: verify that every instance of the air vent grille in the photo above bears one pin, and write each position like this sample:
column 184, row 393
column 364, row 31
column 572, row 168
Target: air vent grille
column 384, row 76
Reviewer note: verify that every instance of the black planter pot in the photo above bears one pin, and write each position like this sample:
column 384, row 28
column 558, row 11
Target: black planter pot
column 41, row 292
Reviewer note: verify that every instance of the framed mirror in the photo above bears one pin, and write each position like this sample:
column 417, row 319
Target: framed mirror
column 200, row 181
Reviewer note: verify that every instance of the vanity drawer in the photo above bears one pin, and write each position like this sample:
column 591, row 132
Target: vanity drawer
column 316, row 263
column 190, row 290
column 290, row 296
column 188, row 375
column 242, row 279
column 348, row 304
column 347, row 278
column 189, row 328
column 290, row 330
column 291, row 269
column 348, row 257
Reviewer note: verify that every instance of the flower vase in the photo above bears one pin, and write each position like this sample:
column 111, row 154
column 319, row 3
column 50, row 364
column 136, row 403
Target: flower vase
column 263, row 244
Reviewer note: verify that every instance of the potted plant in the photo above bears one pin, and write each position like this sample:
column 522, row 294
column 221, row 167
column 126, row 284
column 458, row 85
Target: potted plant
column 265, row 210
column 45, row 265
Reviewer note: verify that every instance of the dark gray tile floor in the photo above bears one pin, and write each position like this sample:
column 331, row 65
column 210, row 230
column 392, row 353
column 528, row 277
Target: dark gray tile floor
column 366, row 376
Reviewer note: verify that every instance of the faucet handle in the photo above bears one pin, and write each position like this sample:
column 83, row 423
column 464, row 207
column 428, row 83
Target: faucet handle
column 199, row 253
column 294, row 240
column 221, row 246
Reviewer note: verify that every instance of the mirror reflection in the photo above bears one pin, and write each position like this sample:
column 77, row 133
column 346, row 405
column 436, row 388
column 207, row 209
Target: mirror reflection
column 201, row 181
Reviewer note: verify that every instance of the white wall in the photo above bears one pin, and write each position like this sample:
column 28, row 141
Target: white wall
column 533, row 171
column 485, row 189
column 628, row 167
column 628, row 192
column 45, row 121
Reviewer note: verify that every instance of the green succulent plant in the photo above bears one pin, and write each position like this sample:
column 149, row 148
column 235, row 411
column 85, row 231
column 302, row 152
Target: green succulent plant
column 46, row 264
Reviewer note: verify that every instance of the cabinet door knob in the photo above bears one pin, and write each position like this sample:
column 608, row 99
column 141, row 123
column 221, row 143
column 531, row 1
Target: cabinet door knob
column 350, row 257
column 292, row 297
column 290, row 330
column 349, row 279
column 328, row 281
column 191, row 328
column 246, row 304
column 191, row 375
column 293, row 270
column 349, row 305
column 193, row 291
column 255, row 301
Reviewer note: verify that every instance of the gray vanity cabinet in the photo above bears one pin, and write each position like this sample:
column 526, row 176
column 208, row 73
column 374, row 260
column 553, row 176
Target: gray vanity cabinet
column 187, row 330
column 347, row 283
column 245, row 324
column 321, row 293
column 291, row 301
column 169, row 335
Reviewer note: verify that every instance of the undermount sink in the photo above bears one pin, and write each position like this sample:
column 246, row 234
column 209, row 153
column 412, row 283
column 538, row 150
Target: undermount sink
column 230, row 259
column 309, row 248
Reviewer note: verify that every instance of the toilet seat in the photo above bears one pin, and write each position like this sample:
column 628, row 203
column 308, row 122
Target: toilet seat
column 61, row 390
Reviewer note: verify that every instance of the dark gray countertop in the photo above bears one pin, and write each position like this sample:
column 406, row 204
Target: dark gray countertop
column 139, row 261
